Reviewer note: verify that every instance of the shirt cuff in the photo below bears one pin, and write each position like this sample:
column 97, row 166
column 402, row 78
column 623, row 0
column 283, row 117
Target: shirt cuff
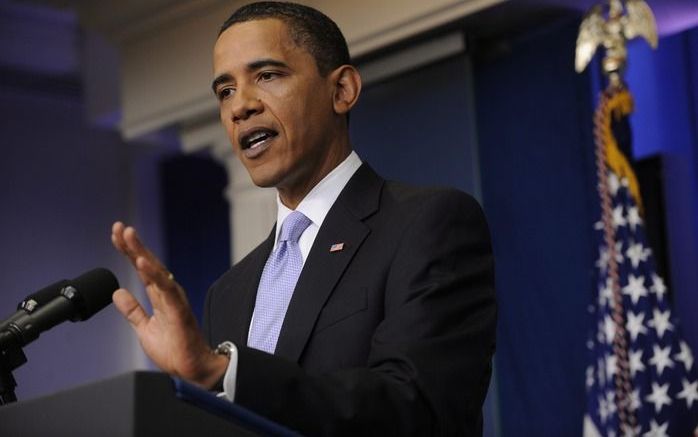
column 230, row 378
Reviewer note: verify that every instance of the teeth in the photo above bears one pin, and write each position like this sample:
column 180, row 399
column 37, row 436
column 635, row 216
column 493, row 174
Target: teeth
column 256, row 139
column 258, row 136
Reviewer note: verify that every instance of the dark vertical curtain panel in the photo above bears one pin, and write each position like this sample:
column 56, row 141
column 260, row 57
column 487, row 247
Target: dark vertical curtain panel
column 535, row 124
column 196, row 224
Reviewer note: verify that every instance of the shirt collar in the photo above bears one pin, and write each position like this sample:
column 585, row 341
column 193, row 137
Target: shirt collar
column 317, row 203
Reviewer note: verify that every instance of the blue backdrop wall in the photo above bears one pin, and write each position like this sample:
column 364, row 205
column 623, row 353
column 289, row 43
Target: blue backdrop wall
column 534, row 123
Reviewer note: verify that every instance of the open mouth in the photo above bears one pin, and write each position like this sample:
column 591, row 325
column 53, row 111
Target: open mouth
column 256, row 138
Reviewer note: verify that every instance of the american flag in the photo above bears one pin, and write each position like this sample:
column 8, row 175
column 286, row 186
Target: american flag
column 640, row 338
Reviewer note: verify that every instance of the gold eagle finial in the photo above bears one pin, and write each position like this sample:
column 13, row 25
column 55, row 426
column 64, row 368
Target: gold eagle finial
column 612, row 30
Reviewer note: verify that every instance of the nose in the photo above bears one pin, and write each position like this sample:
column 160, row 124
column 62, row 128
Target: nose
column 245, row 105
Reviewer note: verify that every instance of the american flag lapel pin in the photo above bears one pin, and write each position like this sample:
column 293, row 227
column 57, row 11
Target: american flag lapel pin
column 337, row 247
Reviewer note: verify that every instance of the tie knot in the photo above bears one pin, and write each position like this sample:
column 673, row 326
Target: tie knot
column 293, row 226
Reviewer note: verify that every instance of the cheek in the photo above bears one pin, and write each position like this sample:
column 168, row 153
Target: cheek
column 294, row 97
column 224, row 114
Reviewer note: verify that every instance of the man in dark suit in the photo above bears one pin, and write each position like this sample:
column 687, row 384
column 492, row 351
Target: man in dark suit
column 388, row 325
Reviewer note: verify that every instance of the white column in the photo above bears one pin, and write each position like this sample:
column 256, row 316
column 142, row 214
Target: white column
column 252, row 209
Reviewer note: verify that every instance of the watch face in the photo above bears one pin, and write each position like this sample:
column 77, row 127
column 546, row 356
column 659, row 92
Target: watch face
column 225, row 348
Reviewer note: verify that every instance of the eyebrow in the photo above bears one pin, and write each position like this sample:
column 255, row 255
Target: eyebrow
column 252, row 66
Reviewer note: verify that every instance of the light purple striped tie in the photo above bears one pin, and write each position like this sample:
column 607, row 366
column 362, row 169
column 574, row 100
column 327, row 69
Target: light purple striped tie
column 276, row 286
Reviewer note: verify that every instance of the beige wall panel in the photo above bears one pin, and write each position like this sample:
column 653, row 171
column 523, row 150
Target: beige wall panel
column 166, row 74
column 371, row 24
column 167, row 64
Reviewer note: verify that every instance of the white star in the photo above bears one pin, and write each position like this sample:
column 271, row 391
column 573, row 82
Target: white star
column 619, row 252
column 685, row 356
column 618, row 219
column 656, row 430
column 634, row 325
column 600, row 337
column 636, row 364
column 660, row 322
column 633, row 217
column 611, row 403
column 659, row 396
column 611, row 361
column 606, row 293
column 609, row 329
column 603, row 410
column 637, row 253
column 613, row 184
column 631, row 432
column 660, row 359
column 635, row 402
column 590, row 377
column 658, row 286
column 635, row 288
column 600, row 371
column 689, row 392
column 599, row 225
column 602, row 262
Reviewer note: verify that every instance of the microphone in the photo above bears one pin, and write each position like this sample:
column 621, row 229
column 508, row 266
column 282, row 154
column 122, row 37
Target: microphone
column 41, row 297
column 77, row 300
column 34, row 301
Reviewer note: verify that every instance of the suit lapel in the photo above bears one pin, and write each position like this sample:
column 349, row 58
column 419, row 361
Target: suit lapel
column 323, row 268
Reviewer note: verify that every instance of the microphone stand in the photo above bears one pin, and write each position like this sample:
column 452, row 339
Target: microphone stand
column 11, row 357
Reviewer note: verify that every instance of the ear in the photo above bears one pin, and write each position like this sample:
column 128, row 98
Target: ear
column 347, row 87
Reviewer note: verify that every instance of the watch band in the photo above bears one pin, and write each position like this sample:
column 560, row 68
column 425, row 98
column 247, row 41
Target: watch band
column 229, row 382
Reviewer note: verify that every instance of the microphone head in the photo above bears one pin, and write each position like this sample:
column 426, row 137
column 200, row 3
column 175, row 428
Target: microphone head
column 42, row 297
column 90, row 292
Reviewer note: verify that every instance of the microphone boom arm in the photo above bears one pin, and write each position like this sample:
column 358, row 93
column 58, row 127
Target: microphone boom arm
column 11, row 357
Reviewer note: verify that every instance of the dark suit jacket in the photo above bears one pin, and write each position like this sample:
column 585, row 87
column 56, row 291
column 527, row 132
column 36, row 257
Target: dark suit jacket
column 393, row 335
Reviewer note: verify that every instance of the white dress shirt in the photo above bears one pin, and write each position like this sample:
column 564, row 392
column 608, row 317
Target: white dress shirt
column 315, row 205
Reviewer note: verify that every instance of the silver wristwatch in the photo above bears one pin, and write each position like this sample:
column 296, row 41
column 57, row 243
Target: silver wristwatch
column 226, row 348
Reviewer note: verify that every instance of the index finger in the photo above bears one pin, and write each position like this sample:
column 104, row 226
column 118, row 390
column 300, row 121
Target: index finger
column 135, row 246
column 117, row 238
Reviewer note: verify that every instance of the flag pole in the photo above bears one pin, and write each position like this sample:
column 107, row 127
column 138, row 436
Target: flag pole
column 610, row 26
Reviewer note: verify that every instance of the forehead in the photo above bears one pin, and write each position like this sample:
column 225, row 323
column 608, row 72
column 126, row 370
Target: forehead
column 246, row 42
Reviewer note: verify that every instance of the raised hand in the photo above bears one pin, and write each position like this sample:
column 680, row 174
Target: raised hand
column 170, row 336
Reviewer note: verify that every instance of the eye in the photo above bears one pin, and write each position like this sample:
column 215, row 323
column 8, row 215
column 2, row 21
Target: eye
column 267, row 76
column 224, row 93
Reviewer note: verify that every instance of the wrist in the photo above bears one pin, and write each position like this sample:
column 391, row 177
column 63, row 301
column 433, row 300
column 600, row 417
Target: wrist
column 213, row 370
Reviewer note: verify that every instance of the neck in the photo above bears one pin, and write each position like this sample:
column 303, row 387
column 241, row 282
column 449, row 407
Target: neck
column 292, row 195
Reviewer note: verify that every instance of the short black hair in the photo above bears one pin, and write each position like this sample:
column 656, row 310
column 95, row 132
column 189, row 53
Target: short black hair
column 308, row 27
